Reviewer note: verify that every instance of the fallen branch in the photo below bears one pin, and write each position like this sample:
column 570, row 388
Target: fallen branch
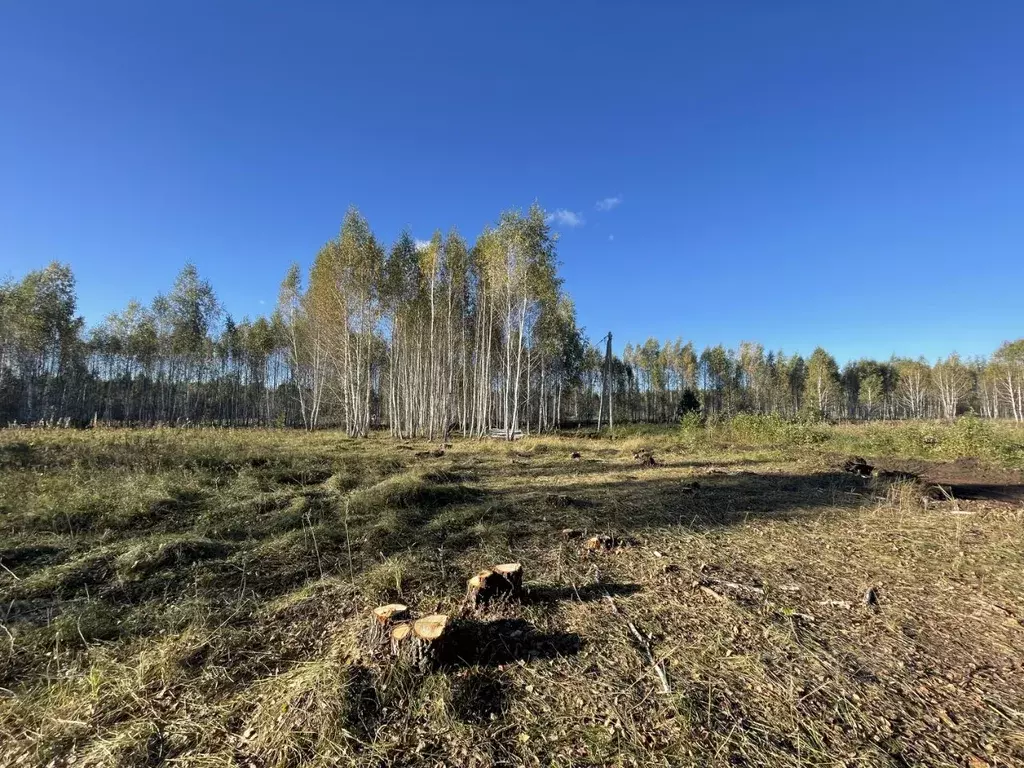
column 837, row 603
column 805, row 616
column 742, row 587
column 716, row 596
column 645, row 644
column 656, row 665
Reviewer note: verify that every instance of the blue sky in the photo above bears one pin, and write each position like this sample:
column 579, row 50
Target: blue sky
column 797, row 173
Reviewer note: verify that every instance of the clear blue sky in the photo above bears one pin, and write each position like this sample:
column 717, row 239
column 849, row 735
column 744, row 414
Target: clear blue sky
column 849, row 174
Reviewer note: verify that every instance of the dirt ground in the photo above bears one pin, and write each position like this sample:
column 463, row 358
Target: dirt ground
column 204, row 600
column 967, row 478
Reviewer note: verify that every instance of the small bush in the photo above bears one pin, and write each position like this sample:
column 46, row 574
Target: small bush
column 689, row 404
column 692, row 429
column 969, row 436
column 772, row 429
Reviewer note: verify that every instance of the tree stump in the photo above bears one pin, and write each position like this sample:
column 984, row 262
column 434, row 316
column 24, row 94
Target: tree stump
column 428, row 635
column 383, row 619
column 512, row 576
column 504, row 580
column 857, row 466
column 482, row 588
column 600, row 543
column 400, row 635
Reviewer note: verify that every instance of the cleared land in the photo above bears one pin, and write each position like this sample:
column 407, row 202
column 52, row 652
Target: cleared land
column 203, row 598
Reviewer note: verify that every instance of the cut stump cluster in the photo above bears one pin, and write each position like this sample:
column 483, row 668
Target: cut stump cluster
column 384, row 619
column 420, row 642
column 500, row 581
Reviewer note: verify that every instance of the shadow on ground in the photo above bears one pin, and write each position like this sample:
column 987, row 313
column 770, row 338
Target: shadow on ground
column 476, row 643
column 586, row 593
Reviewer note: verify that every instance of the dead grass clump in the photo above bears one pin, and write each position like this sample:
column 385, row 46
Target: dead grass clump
column 480, row 696
column 251, row 516
column 66, row 580
column 148, row 557
column 411, row 489
column 303, row 476
column 31, row 556
column 563, row 501
column 94, row 620
column 137, row 743
column 299, row 717
column 903, row 494
column 393, row 579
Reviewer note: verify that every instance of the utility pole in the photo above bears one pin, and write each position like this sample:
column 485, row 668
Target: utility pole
column 608, row 378
column 606, row 386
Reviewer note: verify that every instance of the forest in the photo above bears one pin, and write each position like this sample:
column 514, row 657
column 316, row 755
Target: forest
column 423, row 339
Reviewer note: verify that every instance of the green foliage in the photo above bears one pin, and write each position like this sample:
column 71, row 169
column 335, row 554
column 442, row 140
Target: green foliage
column 420, row 337
column 967, row 437
column 821, row 390
column 773, row 430
column 692, row 429
column 193, row 309
column 689, row 403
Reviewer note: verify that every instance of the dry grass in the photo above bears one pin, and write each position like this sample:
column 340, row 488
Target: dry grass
column 193, row 598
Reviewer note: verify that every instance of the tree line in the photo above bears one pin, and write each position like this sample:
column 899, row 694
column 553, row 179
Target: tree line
column 426, row 339
column 659, row 382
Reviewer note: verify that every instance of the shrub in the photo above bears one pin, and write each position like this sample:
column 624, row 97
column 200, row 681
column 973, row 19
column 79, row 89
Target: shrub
column 969, row 436
column 692, row 429
column 688, row 404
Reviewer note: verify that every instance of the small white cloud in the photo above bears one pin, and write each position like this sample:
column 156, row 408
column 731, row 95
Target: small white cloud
column 564, row 218
column 262, row 302
column 610, row 238
column 608, row 203
column 422, row 244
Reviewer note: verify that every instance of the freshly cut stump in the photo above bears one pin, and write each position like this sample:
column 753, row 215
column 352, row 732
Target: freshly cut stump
column 400, row 635
column 601, row 543
column 428, row 636
column 504, row 580
column 512, row 575
column 383, row 619
column 482, row 588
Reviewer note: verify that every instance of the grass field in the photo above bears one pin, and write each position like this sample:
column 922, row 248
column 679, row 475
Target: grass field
column 201, row 598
